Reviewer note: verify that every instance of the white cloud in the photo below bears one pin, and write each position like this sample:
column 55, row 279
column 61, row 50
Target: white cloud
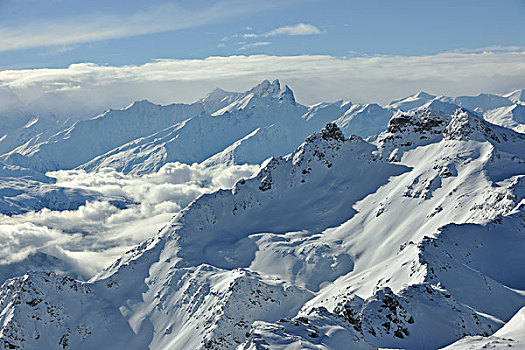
column 20, row 239
column 94, row 27
column 91, row 237
column 298, row 29
column 88, row 88
column 292, row 30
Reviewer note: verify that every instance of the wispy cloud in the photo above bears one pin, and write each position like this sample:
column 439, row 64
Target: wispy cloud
column 298, row 29
column 489, row 49
column 154, row 19
column 88, row 88
column 291, row 30
column 246, row 46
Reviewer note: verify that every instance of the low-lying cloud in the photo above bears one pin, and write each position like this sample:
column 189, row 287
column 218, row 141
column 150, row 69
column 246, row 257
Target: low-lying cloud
column 90, row 238
column 87, row 88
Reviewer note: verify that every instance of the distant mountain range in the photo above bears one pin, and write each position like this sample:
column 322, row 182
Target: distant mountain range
column 232, row 127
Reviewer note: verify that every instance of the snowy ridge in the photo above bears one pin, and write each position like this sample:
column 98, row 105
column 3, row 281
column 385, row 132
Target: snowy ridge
column 232, row 123
column 31, row 131
column 501, row 110
column 517, row 96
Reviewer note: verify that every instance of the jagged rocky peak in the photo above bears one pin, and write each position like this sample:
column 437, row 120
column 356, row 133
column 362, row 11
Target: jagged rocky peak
column 330, row 132
column 466, row 125
column 273, row 89
column 417, row 121
column 460, row 124
column 287, row 95
column 322, row 145
column 46, row 310
column 328, row 145
column 414, row 127
column 267, row 89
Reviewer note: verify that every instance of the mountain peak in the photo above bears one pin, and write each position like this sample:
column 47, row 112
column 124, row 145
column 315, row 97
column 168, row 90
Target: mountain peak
column 273, row 89
column 516, row 96
column 140, row 104
column 332, row 131
column 217, row 94
column 465, row 125
column 423, row 94
column 287, row 94
column 266, row 88
column 412, row 101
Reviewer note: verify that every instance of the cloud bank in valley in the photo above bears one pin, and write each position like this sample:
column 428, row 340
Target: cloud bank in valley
column 90, row 238
column 86, row 88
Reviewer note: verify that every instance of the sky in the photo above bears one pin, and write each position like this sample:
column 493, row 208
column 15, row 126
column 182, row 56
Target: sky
column 366, row 51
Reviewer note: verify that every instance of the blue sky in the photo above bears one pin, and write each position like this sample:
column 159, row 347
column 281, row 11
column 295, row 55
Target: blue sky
column 80, row 57
column 57, row 33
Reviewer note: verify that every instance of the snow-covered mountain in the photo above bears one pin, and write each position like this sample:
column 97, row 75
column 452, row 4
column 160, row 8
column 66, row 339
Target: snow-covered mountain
column 412, row 102
column 245, row 127
column 29, row 130
column 86, row 139
column 143, row 137
column 412, row 238
column 511, row 117
column 504, row 110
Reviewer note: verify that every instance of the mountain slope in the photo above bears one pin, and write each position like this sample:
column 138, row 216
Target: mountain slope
column 509, row 336
column 58, row 303
column 87, row 139
column 511, row 117
column 32, row 131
